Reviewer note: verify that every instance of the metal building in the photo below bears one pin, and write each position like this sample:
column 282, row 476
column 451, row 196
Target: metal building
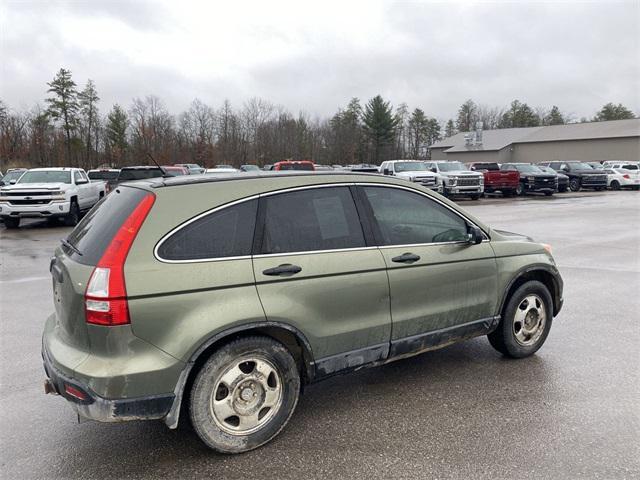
column 593, row 141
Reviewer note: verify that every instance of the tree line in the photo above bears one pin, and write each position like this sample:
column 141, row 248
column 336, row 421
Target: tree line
column 69, row 129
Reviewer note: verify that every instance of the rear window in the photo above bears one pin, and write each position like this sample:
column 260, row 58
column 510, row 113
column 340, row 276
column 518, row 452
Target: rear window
column 225, row 233
column 486, row 166
column 630, row 167
column 139, row 174
column 296, row 166
column 94, row 232
column 103, row 175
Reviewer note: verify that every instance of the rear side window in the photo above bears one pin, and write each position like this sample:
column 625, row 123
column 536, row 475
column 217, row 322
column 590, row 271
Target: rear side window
column 309, row 220
column 406, row 218
column 139, row 174
column 225, row 233
column 96, row 230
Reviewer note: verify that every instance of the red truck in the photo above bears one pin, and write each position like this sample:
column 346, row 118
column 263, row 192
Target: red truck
column 496, row 180
column 294, row 165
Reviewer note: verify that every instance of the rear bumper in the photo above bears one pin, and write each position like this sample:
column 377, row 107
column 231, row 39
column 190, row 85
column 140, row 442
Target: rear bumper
column 51, row 209
column 94, row 407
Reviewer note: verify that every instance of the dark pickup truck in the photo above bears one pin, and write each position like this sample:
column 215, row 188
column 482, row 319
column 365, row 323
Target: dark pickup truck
column 581, row 175
column 496, row 180
column 532, row 179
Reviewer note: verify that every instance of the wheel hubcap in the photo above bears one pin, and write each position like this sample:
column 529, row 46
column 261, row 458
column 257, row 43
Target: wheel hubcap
column 246, row 395
column 529, row 320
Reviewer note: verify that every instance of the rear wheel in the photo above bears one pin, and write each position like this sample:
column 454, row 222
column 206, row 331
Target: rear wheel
column 615, row 185
column 525, row 322
column 73, row 217
column 244, row 394
column 11, row 223
column 548, row 194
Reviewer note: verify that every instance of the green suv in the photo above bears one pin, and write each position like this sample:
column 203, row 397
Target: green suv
column 220, row 298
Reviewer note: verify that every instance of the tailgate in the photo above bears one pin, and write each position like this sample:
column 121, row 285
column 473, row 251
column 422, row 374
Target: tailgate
column 69, row 279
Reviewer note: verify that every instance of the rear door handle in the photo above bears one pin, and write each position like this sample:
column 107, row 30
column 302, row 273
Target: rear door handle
column 406, row 258
column 284, row 269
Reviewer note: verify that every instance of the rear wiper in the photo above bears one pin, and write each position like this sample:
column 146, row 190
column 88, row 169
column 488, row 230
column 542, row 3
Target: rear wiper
column 70, row 246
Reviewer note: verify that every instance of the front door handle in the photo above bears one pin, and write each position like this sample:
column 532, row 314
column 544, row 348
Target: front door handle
column 284, row 269
column 406, row 258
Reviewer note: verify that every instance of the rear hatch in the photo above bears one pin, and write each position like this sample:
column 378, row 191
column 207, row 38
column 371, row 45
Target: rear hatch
column 76, row 258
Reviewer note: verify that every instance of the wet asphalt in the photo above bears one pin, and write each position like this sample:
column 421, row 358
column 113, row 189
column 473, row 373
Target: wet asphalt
column 463, row 412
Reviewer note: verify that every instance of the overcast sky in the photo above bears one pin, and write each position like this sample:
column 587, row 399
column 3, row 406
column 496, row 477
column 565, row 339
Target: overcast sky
column 315, row 56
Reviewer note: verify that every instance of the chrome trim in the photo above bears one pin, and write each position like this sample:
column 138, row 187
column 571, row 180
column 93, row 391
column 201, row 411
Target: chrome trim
column 312, row 252
column 190, row 221
column 308, row 252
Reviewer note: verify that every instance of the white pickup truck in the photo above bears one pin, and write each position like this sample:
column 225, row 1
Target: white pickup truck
column 457, row 179
column 49, row 193
column 413, row 171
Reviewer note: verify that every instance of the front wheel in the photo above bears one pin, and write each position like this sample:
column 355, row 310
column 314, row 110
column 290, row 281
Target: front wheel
column 548, row 194
column 520, row 190
column 475, row 197
column 11, row 223
column 525, row 322
column 615, row 185
column 73, row 217
column 574, row 185
column 244, row 395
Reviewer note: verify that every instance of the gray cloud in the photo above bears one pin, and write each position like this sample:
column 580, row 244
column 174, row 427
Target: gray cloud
column 575, row 55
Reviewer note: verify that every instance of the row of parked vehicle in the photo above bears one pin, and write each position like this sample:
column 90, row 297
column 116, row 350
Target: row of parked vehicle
column 66, row 193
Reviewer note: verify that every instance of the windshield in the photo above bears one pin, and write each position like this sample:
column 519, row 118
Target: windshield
column 579, row 166
column 528, row 169
column 46, row 176
column 103, row 175
column 13, row 175
column 410, row 167
column 595, row 165
column 486, row 166
column 548, row 170
column 247, row 168
column 451, row 166
column 139, row 174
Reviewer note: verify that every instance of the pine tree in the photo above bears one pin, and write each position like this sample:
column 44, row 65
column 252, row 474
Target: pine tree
column 116, row 132
column 467, row 116
column 613, row 112
column 380, row 125
column 450, row 129
column 554, row 117
column 418, row 132
column 63, row 106
column 519, row 115
column 88, row 99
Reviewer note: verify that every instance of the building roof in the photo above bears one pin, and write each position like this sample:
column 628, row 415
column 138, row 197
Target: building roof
column 498, row 139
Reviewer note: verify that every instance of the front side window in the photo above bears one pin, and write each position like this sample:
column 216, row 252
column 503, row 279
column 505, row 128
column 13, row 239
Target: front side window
column 310, row 220
column 225, row 233
column 77, row 177
column 405, row 218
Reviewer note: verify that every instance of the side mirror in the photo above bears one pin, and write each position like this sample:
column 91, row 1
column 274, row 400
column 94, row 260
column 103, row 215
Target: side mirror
column 565, row 169
column 386, row 171
column 12, row 182
column 434, row 169
column 81, row 182
column 475, row 235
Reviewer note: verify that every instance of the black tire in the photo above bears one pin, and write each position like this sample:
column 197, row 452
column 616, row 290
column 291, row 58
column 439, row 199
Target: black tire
column 548, row 194
column 520, row 190
column 475, row 197
column 73, row 217
column 562, row 189
column 574, row 184
column 208, row 383
column 11, row 223
column 503, row 338
column 615, row 185
column 599, row 189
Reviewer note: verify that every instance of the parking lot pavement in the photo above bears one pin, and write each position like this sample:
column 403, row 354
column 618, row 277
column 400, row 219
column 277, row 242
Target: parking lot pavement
column 570, row 411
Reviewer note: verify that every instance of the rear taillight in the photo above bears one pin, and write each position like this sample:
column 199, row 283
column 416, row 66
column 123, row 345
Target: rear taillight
column 105, row 299
column 626, row 176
